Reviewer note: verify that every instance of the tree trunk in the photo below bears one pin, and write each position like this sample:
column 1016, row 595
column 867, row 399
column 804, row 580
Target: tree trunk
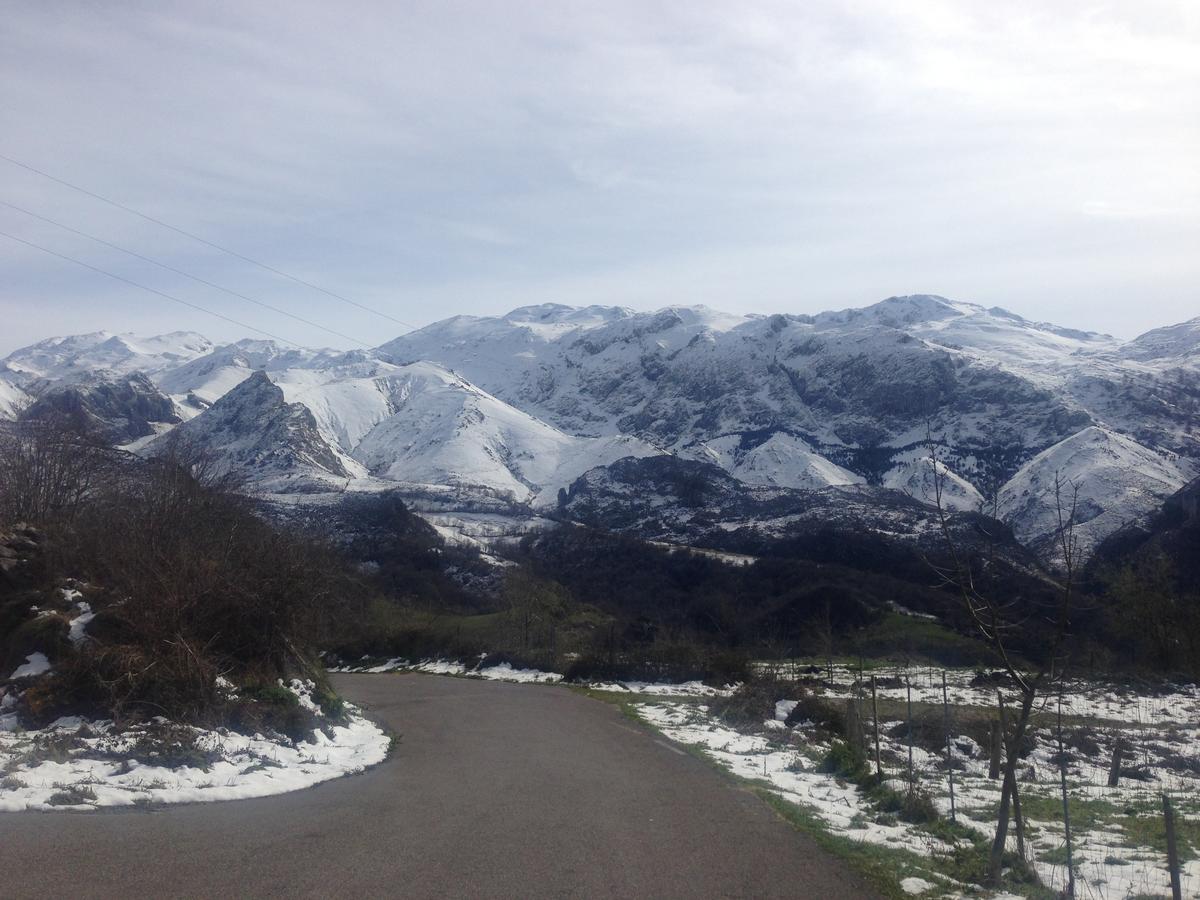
column 1009, row 797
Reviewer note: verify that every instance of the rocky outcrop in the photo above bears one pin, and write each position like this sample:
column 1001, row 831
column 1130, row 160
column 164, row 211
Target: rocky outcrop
column 117, row 408
column 252, row 430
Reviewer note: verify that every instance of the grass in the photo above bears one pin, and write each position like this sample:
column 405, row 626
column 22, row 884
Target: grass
column 74, row 795
column 883, row 867
column 921, row 640
column 878, row 865
column 1086, row 814
column 1140, row 821
column 1142, row 824
column 1151, row 831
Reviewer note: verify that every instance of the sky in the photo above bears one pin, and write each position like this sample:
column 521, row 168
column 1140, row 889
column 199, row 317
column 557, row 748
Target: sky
column 431, row 159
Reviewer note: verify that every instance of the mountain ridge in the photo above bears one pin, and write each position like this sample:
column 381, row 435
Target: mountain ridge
column 522, row 404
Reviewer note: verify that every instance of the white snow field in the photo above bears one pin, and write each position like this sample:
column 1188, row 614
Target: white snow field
column 84, row 765
column 1117, row 835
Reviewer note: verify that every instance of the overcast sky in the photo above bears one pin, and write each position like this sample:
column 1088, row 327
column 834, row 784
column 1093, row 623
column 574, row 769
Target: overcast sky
column 428, row 159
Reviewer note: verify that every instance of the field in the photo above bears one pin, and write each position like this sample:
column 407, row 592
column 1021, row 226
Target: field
column 903, row 823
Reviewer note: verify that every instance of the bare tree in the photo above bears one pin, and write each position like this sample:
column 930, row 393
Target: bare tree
column 1001, row 622
column 48, row 467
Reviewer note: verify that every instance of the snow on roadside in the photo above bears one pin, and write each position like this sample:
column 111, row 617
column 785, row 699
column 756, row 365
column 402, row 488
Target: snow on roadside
column 794, row 777
column 506, row 672
column 1158, row 724
column 665, row 689
column 502, row 672
column 82, row 765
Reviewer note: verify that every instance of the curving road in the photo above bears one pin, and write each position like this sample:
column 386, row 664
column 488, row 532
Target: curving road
column 495, row 790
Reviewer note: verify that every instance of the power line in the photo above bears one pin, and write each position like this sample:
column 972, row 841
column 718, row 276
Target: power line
column 79, row 262
column 196, row 278
column 207, row 243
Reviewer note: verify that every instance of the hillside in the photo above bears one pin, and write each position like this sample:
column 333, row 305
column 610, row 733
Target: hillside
column 505, row 412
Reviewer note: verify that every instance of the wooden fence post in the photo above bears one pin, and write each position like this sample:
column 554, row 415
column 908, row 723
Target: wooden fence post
column 1114, row 771
column 912, row 784
column 854, row 730
column 994, row 749
column 949, row 756
column 875, row 721
column 1172, row 849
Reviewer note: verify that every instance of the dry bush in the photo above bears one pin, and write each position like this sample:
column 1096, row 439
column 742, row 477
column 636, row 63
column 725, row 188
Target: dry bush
column 49, row 468
column 192, row 583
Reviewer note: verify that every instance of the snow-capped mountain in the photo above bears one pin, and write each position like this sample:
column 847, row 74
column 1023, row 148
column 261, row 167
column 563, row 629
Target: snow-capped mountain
column 121, row 354
column 1118, row 481
column 1179, row 343
column 254, row 431
column 519, row 406
column 417, row 425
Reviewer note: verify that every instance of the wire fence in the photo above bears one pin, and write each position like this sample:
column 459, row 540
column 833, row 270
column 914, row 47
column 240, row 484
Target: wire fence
column 1118, row 835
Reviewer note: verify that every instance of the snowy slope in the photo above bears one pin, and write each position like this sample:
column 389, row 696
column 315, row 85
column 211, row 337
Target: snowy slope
column 1119, row 482
column 568, row 367
column 11, row 397
column 782, row 460
column 846, row 396
column 119, row 353
column 418, row 425
column 682, row 376
column 422, row 424
column 254, row 431
column 914, row 474
column 992, row 334
column 514, row 407
column 1175, row 342
column 209, row 376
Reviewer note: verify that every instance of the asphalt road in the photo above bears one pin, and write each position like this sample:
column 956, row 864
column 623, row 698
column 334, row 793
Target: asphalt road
column 495, row 790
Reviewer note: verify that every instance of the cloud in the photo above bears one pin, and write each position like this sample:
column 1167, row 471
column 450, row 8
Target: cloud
column 790, row 155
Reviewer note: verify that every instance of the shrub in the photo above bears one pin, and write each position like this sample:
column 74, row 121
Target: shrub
column 192, row 583
column 171, row 746
column 75, row 795
column 910, row 806
column 845, row 761
column 810, row 707
column 750, row 705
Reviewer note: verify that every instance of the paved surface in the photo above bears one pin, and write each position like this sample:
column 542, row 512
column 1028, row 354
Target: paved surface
column 495, row 790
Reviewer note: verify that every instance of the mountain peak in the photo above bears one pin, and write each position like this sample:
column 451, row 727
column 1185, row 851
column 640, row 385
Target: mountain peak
column 1181, row 341
column 559, row 313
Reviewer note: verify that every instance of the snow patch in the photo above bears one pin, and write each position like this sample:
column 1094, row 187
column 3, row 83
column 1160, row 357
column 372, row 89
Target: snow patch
column 95, row 774
column 35, row 664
